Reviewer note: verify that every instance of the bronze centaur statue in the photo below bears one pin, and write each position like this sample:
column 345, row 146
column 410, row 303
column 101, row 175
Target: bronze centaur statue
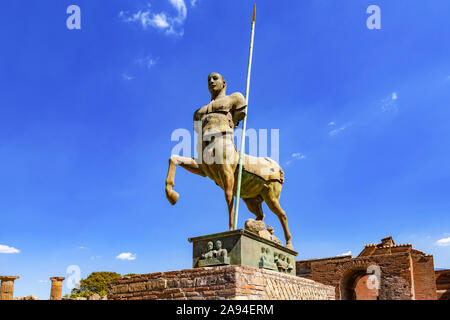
column 262, row 178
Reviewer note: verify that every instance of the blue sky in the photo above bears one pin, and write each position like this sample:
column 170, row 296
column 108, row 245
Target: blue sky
column 86, row 118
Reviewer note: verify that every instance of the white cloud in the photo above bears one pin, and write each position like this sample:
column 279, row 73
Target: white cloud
column 127, row 77
column 193, row 3
column 171, row 24
column 81, row 247
column 340, row 129
column 147, row 62
column 445, row 242
column 43, row 281
column 143, row 62
column 159, row 20
column 295, row 156
column 298, row 156
column 126, row 256
column 331, row 123
column 7, row 249
column 390, row 103
column 142, row 17
column 349, row 253
column 180, row 6
column 394, row 96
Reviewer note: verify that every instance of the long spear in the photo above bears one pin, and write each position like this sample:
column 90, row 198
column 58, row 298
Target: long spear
column 244, row 125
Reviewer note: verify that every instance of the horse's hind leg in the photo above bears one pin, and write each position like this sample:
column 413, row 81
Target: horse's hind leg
column 187, row 163
column 255, row 207
column 274, row 205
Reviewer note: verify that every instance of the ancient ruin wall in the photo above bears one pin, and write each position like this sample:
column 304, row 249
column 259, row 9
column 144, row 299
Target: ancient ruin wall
column 218, row 283
column 424, row 279
column 395, row 279
column 443, row 284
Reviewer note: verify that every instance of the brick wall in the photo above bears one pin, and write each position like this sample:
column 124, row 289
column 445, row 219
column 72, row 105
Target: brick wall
column 404, row 273
column 443, row 284
column 424, row 279
column 396, row 274
column 303, row 267
column 218, row 283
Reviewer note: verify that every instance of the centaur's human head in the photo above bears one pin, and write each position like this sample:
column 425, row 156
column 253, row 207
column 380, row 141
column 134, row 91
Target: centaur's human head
column 216, row 84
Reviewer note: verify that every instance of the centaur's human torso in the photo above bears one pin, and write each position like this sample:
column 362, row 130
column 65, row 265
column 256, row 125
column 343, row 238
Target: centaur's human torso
column 222, row 114
column 215, row 124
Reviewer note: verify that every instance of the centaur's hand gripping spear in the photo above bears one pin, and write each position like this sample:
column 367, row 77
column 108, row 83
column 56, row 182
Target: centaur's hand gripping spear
column 244, row 125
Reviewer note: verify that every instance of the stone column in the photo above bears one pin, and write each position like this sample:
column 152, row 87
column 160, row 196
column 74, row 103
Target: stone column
column 56, row 292
column 7, row 287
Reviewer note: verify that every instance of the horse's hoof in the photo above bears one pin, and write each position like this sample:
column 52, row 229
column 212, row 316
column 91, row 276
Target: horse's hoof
column 289, row 246
column 172, row 196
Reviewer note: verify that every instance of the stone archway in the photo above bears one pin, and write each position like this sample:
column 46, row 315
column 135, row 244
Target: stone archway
column 367, row 289
column 349, row 282
column 383, row 271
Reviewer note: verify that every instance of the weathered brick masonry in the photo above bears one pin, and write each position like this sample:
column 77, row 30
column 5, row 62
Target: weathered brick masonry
column 218, row 283
column 443, row 284
column 404, row 273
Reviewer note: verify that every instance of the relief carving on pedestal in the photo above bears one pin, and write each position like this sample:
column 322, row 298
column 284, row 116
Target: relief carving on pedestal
column 214, row 256
column 283, row 263
column 265, row 261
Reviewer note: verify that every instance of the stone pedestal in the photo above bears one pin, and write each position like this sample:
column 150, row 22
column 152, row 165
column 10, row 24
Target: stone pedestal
column 56, row 291
column 242, row 247
column 7, row 287
column 218, row 283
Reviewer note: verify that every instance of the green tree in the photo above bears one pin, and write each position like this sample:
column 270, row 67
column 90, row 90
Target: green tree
column 96, row 282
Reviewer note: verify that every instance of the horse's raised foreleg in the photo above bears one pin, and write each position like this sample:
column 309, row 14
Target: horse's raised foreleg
column 187, row 163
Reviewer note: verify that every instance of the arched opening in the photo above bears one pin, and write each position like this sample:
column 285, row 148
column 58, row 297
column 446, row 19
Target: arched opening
column 366, row 289
column 356, row 285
